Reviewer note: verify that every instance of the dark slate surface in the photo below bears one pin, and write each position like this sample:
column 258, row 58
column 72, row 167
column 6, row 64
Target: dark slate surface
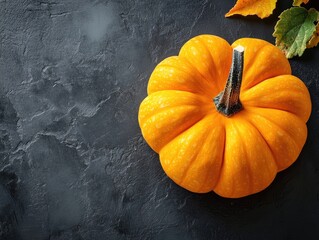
column 73, row 162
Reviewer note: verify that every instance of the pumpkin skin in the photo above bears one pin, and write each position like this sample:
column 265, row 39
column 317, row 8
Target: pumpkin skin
column 202, row 150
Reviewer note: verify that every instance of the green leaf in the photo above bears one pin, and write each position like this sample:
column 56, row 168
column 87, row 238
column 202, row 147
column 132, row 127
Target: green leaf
column 294, row 29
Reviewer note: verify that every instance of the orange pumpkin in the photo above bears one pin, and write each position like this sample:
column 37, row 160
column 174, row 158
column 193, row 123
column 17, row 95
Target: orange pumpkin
column 225, row 118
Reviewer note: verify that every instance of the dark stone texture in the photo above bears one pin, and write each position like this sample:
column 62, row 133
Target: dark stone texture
column 73, row 162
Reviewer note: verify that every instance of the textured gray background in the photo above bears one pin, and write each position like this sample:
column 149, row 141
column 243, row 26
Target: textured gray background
column 73, row 162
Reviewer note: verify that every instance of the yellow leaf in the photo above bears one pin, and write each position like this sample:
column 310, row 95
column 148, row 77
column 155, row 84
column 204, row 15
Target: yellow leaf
column 314, row 40
column 299, row 2
column 261, row 8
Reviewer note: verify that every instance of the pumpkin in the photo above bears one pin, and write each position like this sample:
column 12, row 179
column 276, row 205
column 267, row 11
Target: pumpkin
column 225, row 118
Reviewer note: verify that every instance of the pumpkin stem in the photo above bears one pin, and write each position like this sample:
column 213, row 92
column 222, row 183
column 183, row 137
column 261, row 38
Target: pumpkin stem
column 227, row 102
